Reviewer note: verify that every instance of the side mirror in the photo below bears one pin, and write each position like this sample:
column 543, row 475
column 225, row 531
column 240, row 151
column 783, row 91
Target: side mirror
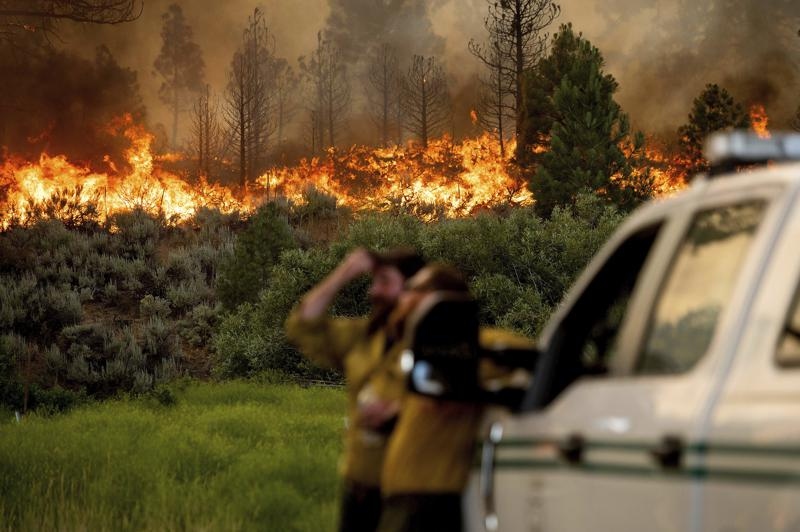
column 445, row 359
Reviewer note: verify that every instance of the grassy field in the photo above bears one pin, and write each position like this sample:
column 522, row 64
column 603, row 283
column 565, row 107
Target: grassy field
column 230, row 456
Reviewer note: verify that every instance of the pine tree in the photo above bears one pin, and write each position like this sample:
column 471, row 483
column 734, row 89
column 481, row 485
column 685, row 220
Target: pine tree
column 383, row 91
column 713, row 110
column 180, row 65
column 537, row 112
column 517, row 42
column 328, row 86
column 251, row 99
column 587, row 134
column 425, row 99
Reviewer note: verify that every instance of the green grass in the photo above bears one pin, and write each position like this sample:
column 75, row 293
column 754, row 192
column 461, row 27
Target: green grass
column 231, row 456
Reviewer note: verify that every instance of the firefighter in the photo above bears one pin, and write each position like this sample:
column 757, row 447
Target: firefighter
column 363, row 349
column 430, row 452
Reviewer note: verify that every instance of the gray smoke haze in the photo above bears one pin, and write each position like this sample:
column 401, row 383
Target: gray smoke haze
column 662, row 52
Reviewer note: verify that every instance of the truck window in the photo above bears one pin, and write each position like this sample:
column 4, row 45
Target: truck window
column 584, row 343
column 788, row 352
column 698, row 286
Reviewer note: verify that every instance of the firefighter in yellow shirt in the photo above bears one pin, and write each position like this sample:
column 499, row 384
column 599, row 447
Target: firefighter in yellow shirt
column 364, row 350
column 430, row 452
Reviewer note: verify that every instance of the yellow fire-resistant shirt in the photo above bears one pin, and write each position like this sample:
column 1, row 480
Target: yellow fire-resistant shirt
column 432, row 447
column 343, row 343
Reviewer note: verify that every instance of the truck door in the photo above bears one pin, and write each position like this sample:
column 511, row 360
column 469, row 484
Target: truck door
column 751, row 453
column 627, row 369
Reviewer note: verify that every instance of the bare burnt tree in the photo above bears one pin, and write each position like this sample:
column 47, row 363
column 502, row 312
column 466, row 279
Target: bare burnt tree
column 398, row 115
column 329, row 92
column 496, row 111
column 235, row 114
column 426, row 99
column 179, row 64
column 336, row 96
column 249, row 100
column 516, row 32
column 286, row 82
column 25, row 16
column 313, row 72
column 205, row 132
column 383, row 89
column 260, row 51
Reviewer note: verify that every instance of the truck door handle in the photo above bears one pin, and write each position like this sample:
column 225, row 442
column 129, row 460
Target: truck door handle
column 488, row 457
column 669, row 452
column 571, row 449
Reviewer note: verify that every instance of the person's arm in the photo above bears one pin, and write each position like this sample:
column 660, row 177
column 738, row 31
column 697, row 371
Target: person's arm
column 316, row 302
column 319, row 337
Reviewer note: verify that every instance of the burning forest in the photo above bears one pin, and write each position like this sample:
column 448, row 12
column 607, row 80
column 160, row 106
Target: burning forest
column 165, row 200
column 176, row 175
column 352, row 118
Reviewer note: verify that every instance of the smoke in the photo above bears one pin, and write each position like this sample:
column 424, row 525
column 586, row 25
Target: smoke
column 59, row 103
column 662, row 52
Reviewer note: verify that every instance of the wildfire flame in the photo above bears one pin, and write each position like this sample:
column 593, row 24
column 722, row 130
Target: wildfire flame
column 25, row 185
column 452, row 179
column 759, row 121
column 447, row 179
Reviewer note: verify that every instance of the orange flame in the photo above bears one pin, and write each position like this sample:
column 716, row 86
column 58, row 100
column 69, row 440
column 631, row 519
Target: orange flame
column 452, row 179
column 447, row 179
column 759, row 120
column 653, row 168
column 144, row 185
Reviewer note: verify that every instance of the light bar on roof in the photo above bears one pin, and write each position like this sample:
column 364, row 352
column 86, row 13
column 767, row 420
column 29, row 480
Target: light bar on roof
column 746, row 147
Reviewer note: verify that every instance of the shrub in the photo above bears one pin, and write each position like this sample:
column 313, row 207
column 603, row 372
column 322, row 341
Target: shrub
column 245, row 272
column 317, row 204
column 164, row 395
column 79, row 370
column 94, row 336
column 136, row 233
column 55, row 400
column 181, row 265
column 189, row 294
column 215, row 226
column 142, row 382
column 57, row 308
column 68, row 206
column 127, row 273
column 157, row 339
column 496, row 294
column 251, row 340
column 381, row 232
column 12, row 351
column 477, row 246
column 150, row 306
column 110, row 291
column 199, row 324
column 55, row 360
column 128, row 351
column 16, row 295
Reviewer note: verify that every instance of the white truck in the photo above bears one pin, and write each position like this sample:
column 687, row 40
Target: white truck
column 666, row 396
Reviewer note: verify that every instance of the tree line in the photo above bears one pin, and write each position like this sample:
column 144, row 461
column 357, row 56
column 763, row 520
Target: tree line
column 550, row 92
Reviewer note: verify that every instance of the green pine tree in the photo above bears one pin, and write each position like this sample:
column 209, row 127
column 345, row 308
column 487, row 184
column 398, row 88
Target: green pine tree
column 537, row 110
column 713, row 110
column 587, row 131
column 244, row 273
